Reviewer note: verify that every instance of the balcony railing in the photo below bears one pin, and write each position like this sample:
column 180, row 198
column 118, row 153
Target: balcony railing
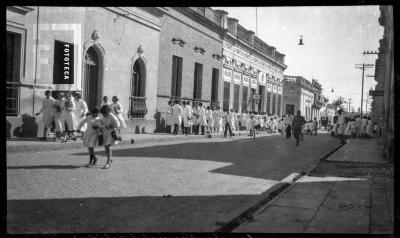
column 137, row 107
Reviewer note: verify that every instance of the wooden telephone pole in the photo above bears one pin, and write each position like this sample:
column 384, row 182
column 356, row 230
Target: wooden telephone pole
column 363, row 67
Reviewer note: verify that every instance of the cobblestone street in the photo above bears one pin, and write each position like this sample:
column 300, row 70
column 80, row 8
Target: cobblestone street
column 150, row 187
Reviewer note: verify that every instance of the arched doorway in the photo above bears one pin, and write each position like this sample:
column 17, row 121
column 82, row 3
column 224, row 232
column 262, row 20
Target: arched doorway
column 92, row 86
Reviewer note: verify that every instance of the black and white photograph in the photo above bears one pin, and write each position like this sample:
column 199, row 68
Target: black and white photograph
column 218, row 119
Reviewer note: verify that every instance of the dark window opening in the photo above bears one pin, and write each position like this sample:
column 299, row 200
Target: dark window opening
column 214, row 85
column 227, row 89
column 176, row 84
column 14, row 45
column 236, row 92
column 198, row 80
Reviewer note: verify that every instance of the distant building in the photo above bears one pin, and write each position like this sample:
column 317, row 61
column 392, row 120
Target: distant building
column 319, row 100
column 190, row 58
column 252, row 71
column 298, row 94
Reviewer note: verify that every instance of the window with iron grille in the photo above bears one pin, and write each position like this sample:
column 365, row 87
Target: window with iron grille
column 176, row 84
column 198, row 80
column 13, row 73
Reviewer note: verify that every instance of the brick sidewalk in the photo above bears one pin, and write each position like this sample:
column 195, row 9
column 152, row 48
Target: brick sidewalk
column 351, row 192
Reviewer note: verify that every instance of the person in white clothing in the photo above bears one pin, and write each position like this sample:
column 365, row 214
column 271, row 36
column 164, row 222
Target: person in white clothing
column 177, row 116
column 202, row 118
column 186, row 117
column 116, row 110
column 210, row 119
column 69, row 117
column 58, row 107
column 220, row 116
column 89, row 139
column 80, row 110
column 47, row 111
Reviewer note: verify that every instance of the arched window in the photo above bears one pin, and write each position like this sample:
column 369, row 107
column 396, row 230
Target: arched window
column 92, row 85
column 138, row 107
column 138, row 79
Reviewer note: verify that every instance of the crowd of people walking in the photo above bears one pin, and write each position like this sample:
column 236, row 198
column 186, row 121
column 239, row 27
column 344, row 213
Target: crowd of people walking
column 346, row 127
column 68, row 115
column 199, row 120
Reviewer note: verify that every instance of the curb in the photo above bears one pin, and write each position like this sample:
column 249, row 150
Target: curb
column 246, row 211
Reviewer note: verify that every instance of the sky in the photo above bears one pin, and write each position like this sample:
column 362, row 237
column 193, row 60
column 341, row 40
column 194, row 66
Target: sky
column 334, row 39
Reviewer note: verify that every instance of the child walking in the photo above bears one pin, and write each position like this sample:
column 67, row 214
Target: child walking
column 89, row 138
column 108, row 125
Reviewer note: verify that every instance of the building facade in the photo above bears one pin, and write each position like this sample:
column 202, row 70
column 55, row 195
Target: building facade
column 252, row 71
column 298, row 94
column 319, row 100
column 99, row 51
column 190, row 58
column 383, row 95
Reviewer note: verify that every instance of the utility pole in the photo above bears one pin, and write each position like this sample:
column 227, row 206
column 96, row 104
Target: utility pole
column 363, row 67
column 349, row 103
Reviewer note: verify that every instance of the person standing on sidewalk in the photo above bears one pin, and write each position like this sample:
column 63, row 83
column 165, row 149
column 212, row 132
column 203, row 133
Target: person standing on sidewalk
column 58, row 116
column 92, row 122
column 80, row 110
column 298, row 123
column 169, row 121
column 47, row 111
column 288, row 125
column 108, row 125
column 116, row 110
column 342, row 124
column 202, row 118
column 186, row 116
column 315, row 126
column 69, row 117
column 228, row 123
column 105, row 102
column 177, row 116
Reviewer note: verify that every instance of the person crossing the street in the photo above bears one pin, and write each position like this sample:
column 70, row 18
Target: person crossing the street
column 89, row 138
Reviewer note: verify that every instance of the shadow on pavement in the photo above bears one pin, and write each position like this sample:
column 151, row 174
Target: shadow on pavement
column 251, row 158
column 47, row 167
column 120, row 214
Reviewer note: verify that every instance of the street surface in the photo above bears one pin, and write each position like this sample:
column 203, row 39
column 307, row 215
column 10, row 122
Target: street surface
column 158, row 187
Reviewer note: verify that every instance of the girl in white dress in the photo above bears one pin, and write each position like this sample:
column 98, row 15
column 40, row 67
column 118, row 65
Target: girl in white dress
column 210, row 119
column 58, row 107
column 116, row 110
column 47, row 111
column 80, row 110
column 108, row 124
column 69, row 117
column 92, row 122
